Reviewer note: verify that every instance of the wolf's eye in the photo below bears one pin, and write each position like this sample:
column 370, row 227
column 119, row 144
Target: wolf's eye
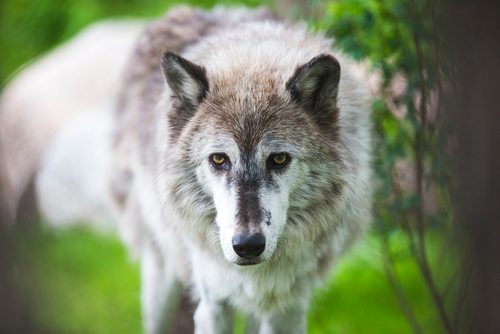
column 278, row 160
column 219, row 160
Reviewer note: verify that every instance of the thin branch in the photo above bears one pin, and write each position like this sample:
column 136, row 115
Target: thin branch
column 396, row 286
column 461, row 297
column 422, row 259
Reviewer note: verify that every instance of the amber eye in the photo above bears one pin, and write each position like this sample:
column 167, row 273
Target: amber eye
column 219, row 160
column 278, row 160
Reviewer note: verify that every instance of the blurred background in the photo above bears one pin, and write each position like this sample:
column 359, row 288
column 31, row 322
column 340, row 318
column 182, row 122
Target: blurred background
column 410, row 274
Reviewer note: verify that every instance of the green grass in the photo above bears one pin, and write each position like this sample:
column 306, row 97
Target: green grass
column 358, row 298
column 82, row 282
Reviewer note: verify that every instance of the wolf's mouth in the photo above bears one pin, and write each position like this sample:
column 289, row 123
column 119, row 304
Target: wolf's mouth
column 248, row 262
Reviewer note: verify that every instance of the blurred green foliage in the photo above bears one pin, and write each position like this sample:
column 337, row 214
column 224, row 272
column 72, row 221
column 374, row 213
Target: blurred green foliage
column 28, row 28
column 400, row 40
column 397, row 37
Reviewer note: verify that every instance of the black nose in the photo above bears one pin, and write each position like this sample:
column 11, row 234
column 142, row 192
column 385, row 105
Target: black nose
column 249, row 245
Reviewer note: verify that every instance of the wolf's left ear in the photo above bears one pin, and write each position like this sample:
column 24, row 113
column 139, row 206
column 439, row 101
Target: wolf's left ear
column 187, row 81
column 314, row 86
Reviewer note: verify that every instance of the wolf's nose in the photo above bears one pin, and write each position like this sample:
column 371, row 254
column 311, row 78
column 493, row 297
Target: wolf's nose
column 249, row 246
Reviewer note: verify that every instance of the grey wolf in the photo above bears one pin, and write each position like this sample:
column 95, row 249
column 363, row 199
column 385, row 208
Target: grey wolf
column 241, row 166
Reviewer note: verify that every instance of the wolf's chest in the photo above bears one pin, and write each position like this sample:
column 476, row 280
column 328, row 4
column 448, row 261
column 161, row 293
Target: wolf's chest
column 256, row 289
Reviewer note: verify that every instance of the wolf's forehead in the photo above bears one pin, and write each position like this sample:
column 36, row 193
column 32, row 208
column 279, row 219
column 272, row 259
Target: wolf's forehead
column 251, row 122
column 227, row 143
column 248, row 84
column 251, row 105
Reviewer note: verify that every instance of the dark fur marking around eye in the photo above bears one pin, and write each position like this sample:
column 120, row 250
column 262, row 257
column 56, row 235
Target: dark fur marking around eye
column 273, row 161
column 223, row 165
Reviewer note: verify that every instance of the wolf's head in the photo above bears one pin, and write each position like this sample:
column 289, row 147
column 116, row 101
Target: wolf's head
column 254, row 146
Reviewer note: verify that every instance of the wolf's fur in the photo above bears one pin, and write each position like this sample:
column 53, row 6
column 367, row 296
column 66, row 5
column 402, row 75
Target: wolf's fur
column 246, row 85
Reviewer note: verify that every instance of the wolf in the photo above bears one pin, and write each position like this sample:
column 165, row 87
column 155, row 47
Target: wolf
column 241, row 166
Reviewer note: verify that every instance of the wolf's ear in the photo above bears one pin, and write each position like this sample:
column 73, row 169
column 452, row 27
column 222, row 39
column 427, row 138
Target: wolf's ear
column 187, row 81
column 314, row 86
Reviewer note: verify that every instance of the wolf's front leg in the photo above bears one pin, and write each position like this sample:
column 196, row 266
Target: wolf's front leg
column 213, row 318
column 160, row 291
column 292, row 321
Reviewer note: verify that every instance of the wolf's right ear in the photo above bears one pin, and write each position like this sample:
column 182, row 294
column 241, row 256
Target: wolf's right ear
column 314, row 86
column 187, row 81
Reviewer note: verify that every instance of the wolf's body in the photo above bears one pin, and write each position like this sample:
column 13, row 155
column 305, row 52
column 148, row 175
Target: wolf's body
column 49, row 111
column 239, row 164
column 259, row 88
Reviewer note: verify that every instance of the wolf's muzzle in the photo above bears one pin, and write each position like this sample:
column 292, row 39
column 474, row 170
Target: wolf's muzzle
column 249, row 246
